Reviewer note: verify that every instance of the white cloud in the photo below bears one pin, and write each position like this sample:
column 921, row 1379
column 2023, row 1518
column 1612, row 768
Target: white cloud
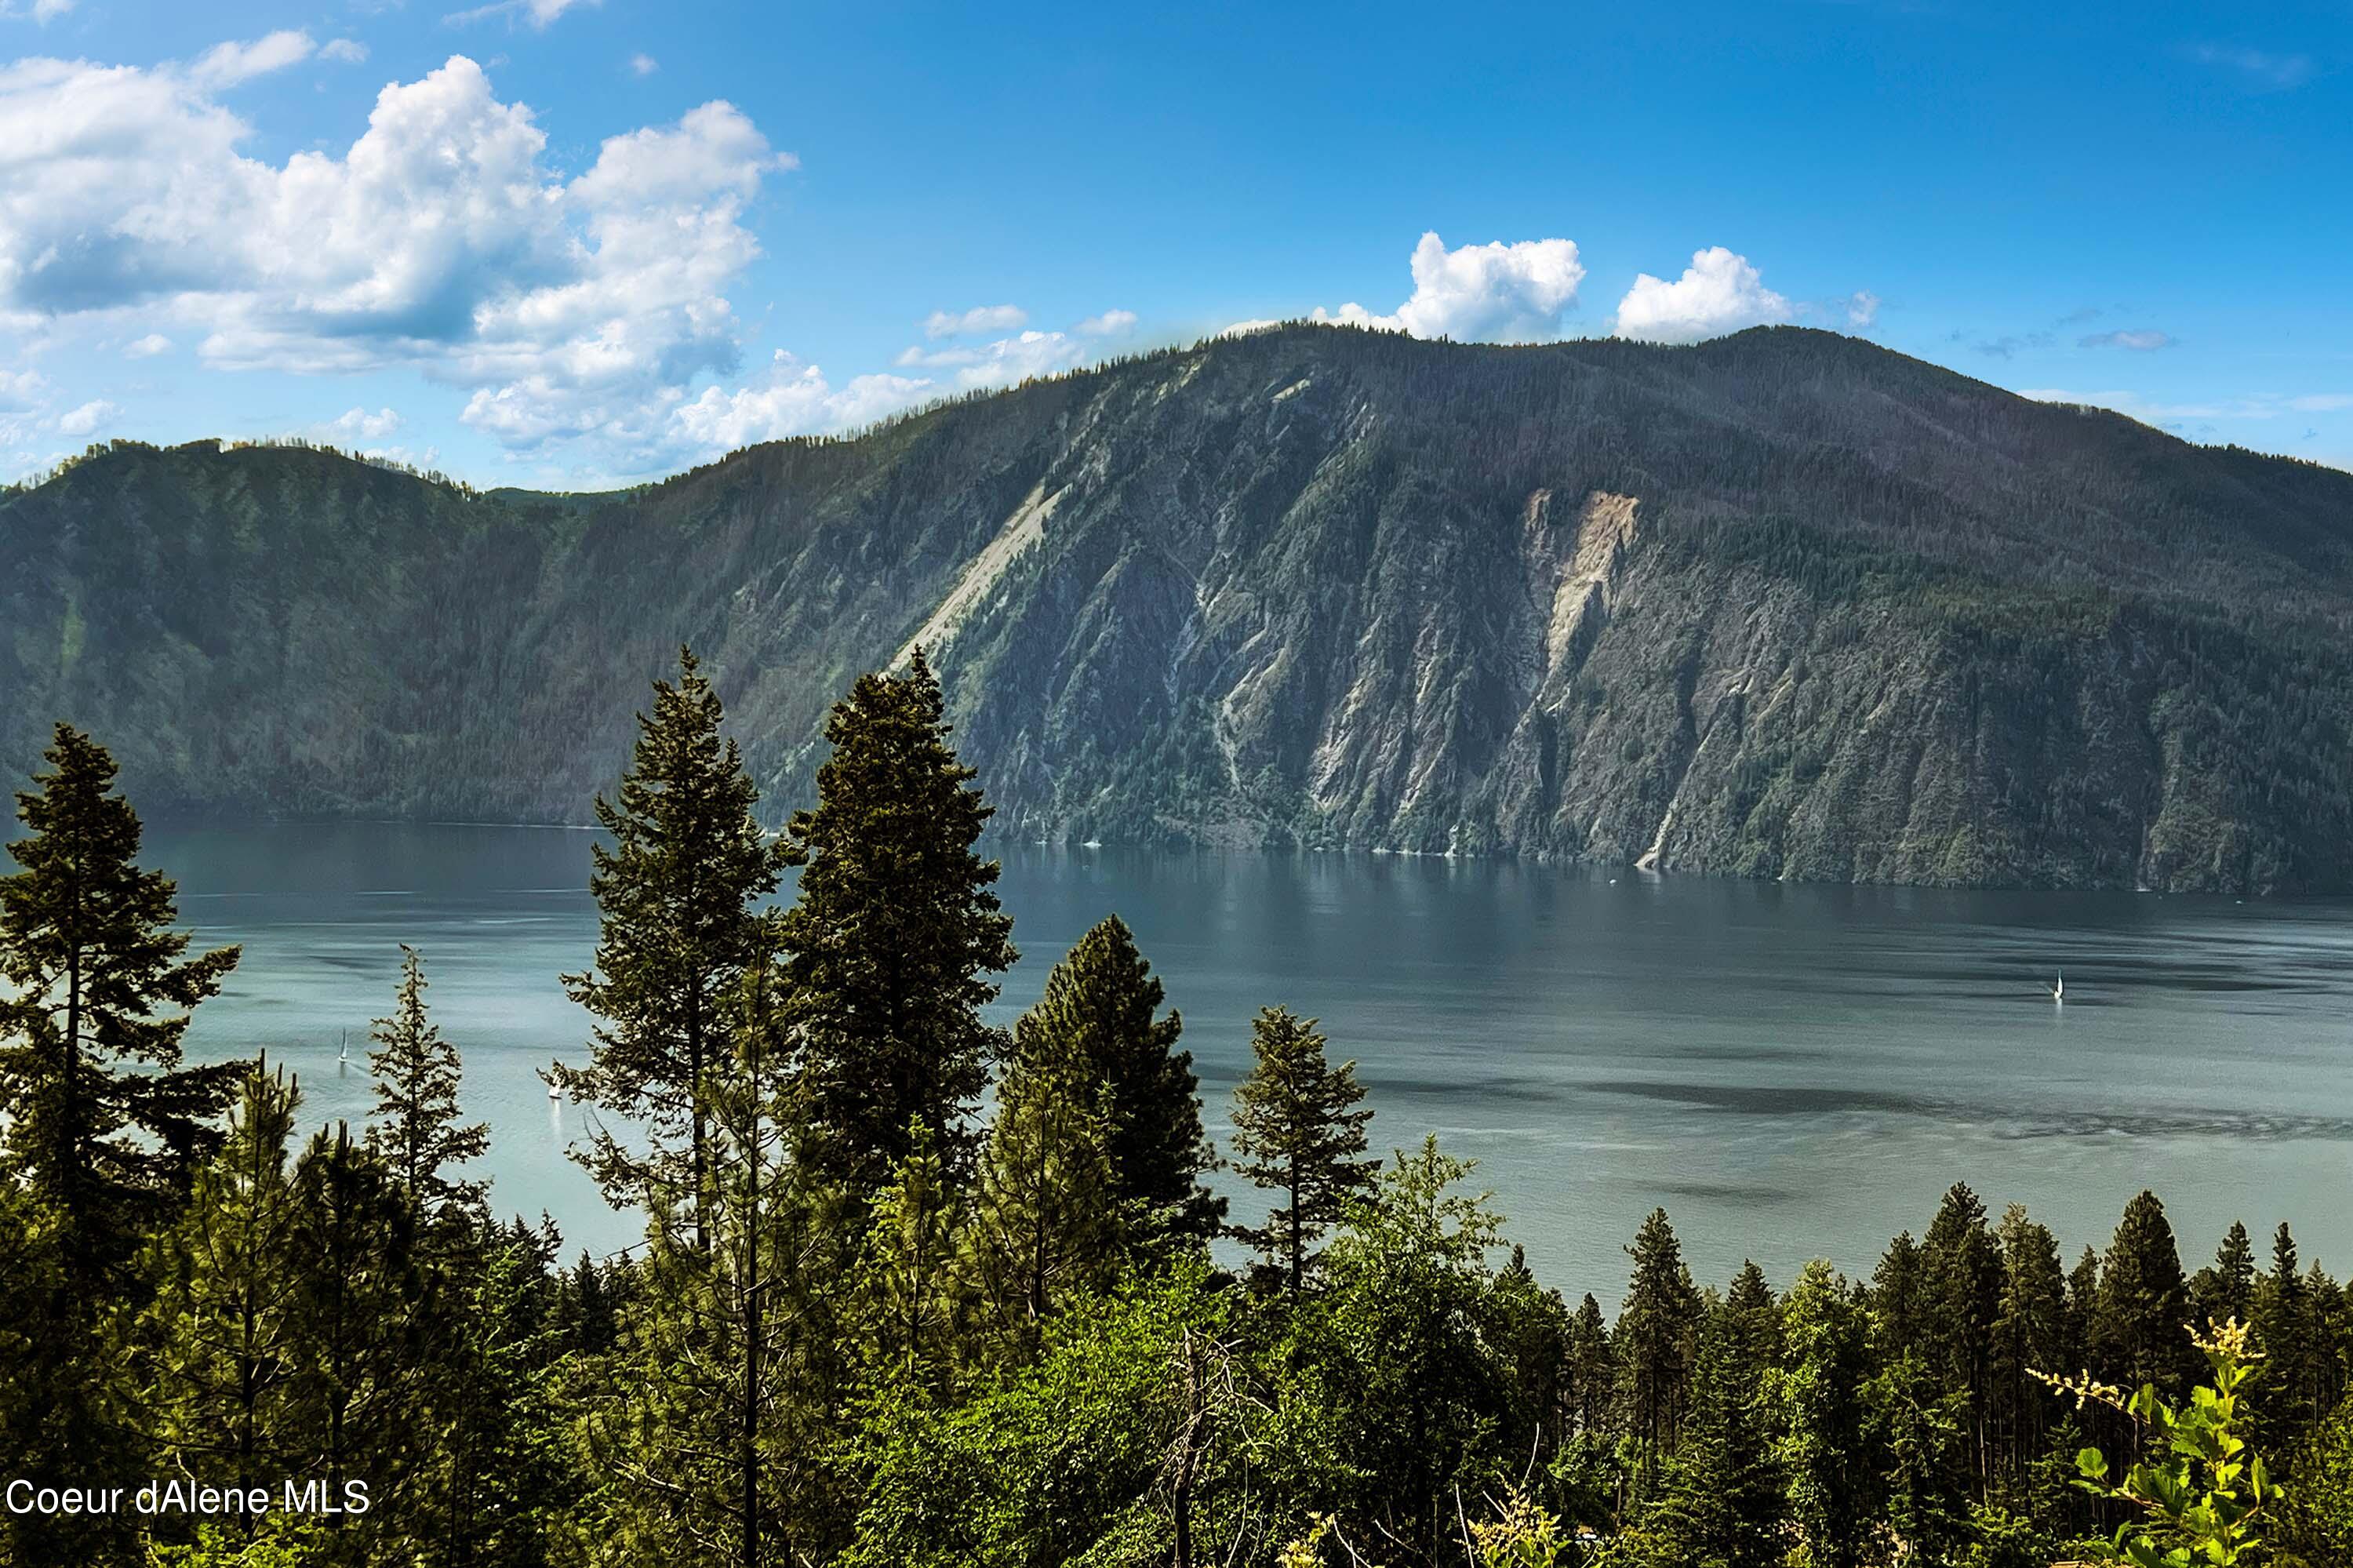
column 225, row 65
column 980, row 318
column 438, row 239
column 21, row 391
column 358, row 424
column 792, row 399
column 349, row 51
column 2260, row 66
column 1479, row 293
column 644, row 65
column 1243, row 329
column 2142, row 340
column 2149, row 411
column 538, row 13
column 81, row 421
column 1718, row 292
column 1111, row 324
column 147, row 348
column 1862, row 310
column 43, row 12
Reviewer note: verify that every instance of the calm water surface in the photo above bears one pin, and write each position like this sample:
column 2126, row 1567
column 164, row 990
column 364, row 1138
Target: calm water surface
column 1791, row 1072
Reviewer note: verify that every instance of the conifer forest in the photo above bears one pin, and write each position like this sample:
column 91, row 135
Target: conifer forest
column 914, row 1291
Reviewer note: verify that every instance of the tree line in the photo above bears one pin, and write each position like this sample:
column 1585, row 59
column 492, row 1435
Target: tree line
column 869, row 1325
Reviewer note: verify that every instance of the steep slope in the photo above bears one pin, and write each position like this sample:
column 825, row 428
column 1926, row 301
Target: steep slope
column 1782, row 605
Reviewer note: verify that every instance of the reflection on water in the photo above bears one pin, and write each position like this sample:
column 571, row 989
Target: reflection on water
column 1790, row 1071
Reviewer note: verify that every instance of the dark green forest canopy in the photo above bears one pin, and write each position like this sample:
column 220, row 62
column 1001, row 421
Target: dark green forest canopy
column 1865, row 618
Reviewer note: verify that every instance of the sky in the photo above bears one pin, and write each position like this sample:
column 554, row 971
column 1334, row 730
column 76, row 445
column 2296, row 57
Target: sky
column 576, row 243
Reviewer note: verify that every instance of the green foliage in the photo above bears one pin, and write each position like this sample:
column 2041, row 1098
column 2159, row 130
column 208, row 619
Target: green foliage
column 417, row 1075
column 1094, row 1026
column 890, row 939
column 675, row 893
column 2206, row 1496
column 1298, row 1131
column 102, row 1119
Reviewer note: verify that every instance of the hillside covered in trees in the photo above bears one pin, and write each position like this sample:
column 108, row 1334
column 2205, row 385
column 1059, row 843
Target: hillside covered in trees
column 868, row 1328
column 1784, row 604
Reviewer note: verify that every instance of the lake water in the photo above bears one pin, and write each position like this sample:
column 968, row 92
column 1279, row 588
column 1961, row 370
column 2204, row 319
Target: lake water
column 1791, row 1072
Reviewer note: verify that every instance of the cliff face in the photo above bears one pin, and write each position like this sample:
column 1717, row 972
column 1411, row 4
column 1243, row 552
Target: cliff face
column 1782, row 605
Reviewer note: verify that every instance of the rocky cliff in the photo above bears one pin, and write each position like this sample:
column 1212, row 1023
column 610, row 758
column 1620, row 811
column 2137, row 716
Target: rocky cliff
column 1782, row 605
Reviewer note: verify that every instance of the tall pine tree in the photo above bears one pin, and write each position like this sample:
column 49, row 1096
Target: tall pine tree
column 1094, row 1026
column 416, row 1074
column 891, row 939
column 106, row 1124
column 1299, row 1133
column 675, row 893
column 1657, row 1332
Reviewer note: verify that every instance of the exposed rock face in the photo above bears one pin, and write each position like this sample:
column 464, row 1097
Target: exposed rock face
column 1783, row 604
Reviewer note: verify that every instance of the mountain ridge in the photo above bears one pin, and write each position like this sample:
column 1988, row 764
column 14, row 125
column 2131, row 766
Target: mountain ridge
column 1783, row 604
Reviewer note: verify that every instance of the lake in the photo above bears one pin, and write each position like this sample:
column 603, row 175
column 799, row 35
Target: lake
column 1790, row 1071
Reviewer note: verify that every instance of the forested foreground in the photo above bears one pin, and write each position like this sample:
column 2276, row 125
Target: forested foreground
column 870, row 1325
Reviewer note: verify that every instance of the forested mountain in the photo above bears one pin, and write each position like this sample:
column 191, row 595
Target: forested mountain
column 1784, row 604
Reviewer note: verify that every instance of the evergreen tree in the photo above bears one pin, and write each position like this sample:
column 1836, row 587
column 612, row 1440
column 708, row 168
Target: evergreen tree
column 1722, row 1505
column 2034, row 1332
column 417, row 1075
column 1752, row 1325
column 1095, row 1024
column 224, row 1330
column 1819, row 1420
column 1046, row 1221
column 2140, row 1333
column 715, row 1447
column 2278, row 1323
column 1900, row 1300
column 1592, row 1369
column 93, row 993
column 675, row 893
column 1654, row 1341
column 1299, row 1133
column 2224, row 1292
column 907, row 1285
column 892, row 935
column 1962, row 1275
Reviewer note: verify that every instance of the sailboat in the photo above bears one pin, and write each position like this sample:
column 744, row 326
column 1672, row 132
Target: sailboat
column 2059, row 990
column 344, row 1056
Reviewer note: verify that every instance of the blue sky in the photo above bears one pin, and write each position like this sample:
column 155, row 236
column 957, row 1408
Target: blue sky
column 570, row 242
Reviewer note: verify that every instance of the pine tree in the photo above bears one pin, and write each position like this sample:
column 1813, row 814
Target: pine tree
column 1095, row 1024
column 1722, row 1504
column 417, row 1075
column 1592, row 1369
column 1656, row 1335
column 1962, row 1275
column 1820, row 1419
column 2141, row 1334
column 1899, row 1299
column 1046, row 1220
column 675, row 892
column 2034, row 1332
column 2280, row 1312
column 1299, row 1132
column 893, row 931
column 92, row 982
column 906, row 1286
column 1752, row 1324
column 224, row 1327
column 2224, row 1291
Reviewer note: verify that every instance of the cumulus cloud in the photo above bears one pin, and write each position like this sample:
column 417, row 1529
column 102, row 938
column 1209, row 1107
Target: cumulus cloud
column 147, row 348
column 1862, row 310
column 358, row 424
column 439, row 238
column 1719, row 292
column 349, row 51
column 2142, row 340
column 979, row 319
column 1478, row 294
column 791, row 399
column 81, row 421
column 225, row 65
column 21, row 391
column 644, row 65
column 1111, row 324
column 41, row 11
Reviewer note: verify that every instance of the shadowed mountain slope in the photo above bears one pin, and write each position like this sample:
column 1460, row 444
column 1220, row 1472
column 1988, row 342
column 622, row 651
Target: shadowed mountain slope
column 1785, row 604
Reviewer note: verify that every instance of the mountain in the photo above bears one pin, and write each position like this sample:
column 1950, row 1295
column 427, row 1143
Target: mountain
column 1782, row 605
